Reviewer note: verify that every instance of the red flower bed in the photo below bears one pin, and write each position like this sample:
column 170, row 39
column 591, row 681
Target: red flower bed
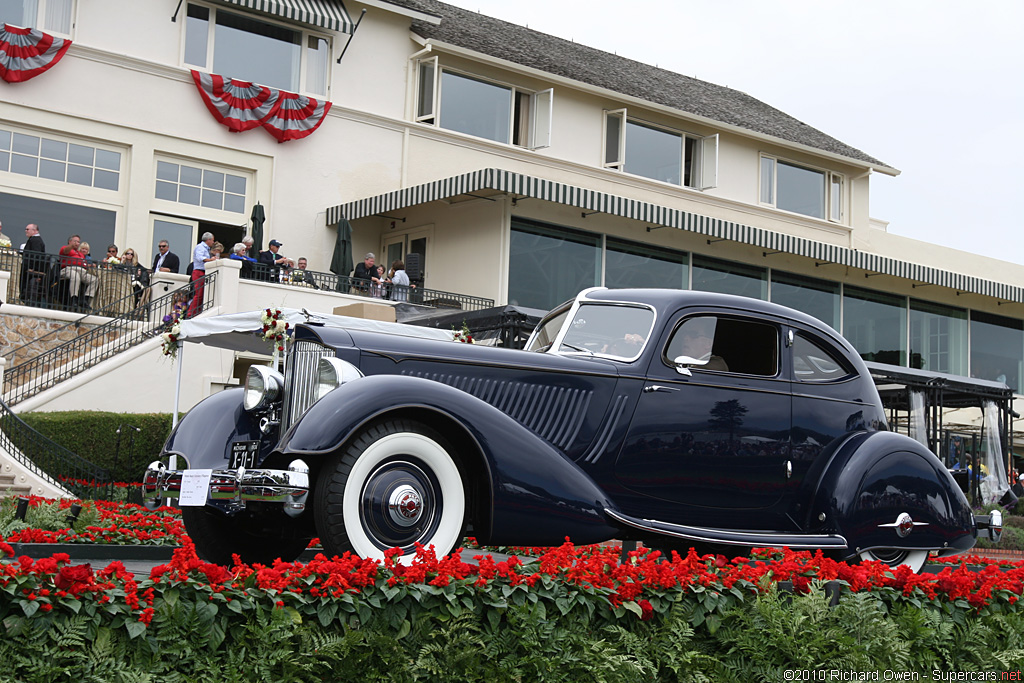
column 120, row 523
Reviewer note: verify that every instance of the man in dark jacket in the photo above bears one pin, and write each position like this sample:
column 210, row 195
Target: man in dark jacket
column 165, row 261
column 274, row 260
column 33, row 266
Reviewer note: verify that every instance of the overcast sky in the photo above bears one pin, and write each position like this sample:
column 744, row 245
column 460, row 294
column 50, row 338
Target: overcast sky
column 934, row 88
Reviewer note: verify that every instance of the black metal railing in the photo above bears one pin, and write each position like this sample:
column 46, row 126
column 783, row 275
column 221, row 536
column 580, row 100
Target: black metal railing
column 100, row 343
column 329, row 282
column 50, row 460
column 36, row 280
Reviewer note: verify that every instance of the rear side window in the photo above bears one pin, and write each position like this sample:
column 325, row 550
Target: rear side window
column 734, row 345
column 813, row 362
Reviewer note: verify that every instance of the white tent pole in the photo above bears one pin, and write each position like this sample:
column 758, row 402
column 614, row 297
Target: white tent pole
column 177, row 385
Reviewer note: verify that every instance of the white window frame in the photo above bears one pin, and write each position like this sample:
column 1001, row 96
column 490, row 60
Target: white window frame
column 305, row 34
column 835, row 204
column 15, row 179
column 540, row 117
column 198, row 211
column 703, row 163
column 42, row 11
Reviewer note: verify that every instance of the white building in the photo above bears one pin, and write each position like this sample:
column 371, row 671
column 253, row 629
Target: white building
column 520, row 166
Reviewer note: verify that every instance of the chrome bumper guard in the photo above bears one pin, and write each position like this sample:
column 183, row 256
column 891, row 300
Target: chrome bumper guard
column 289, row 487
column 991, row 524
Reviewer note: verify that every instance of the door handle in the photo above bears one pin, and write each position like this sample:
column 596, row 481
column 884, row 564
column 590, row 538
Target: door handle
column 650, row 388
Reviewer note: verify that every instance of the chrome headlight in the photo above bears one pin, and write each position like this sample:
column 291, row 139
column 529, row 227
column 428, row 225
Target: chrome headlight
column 332, row 373
column 263, row 387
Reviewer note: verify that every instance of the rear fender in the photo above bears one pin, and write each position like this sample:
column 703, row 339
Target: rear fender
column 537, row 495
column 875, row 477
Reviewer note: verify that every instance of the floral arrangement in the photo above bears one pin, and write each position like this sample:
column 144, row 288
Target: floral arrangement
column 113, row 260
column 5, row 242
column 172, row 333
column 464, row 335
column 275, row 330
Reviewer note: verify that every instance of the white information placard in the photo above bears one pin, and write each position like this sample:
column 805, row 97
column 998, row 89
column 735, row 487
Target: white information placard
column 195, row 486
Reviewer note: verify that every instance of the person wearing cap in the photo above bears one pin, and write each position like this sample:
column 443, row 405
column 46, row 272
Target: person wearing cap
column 275, row 260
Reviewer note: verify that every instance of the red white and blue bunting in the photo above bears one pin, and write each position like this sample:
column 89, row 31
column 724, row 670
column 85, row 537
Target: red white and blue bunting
column 27, row 52
column 241, row 106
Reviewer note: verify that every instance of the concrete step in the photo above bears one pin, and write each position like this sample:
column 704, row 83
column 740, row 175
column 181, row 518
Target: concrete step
column 10, row 487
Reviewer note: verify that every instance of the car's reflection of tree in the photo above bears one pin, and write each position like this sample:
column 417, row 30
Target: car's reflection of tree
column 727, row 416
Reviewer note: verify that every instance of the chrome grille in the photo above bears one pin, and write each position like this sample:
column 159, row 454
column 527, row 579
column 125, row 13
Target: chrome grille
column 300, row 375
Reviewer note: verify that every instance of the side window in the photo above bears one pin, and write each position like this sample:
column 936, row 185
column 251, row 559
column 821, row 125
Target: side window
column 812, row 362
column 732, row 345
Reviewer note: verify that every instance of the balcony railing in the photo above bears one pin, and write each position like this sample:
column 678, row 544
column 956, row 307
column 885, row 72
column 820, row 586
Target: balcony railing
column 105, row 341
column 329, row 282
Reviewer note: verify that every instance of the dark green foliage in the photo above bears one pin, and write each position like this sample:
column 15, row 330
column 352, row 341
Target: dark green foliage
column 93, row 436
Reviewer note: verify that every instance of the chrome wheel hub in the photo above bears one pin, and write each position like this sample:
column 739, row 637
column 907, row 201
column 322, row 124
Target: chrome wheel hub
column 405, row 505
column 400, row 504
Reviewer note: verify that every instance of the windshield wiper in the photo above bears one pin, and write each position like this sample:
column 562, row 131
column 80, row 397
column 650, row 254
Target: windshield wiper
column 577, row 348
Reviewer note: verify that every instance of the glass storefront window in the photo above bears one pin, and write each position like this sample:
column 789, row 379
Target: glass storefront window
column 938, row 338
column 819, row 298
column 629, row 264
column 876, row 324
column 727, row 277
column 549, row 265
column 997, row 348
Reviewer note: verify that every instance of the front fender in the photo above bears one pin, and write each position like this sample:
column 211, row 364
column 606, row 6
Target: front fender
column 537, row 495
column 205, row 434
column 876, row 476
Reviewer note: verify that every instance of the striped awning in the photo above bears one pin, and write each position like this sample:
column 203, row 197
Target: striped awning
column 326, row 14
column 591, row 200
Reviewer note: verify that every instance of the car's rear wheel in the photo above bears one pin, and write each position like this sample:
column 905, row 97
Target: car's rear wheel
column 217, row 537
column 395, row 485
column 894, row 557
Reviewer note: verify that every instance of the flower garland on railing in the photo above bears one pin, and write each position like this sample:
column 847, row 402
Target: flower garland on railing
column 275, row 330
column 172, row 325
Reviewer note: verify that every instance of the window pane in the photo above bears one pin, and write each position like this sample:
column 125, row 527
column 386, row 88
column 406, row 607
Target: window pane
column 212, row 180
column 197, row 29
column 938, row 338
column 836, row 199
column 54, row 149
column 54, row 170
column 475, row 107
column 253, row 50
column 166, row 171
column 5, row 139
column 165, row 190
column 105, row 180
column 318, row 52
column 819, row 298
column 188, row 195
column 628, row 264
column 232, row 202
column 26, row 144
column 654, row 153
column 235, row 184
column 80, row 175
column 425, row 104
column 5, row 160
column 726, row 277
column 548, row 265
column 800, row 190
column 19, row 12
column 997, row 349
column 191, row 175
column 213, row 199
column 108, row 160
column 613, row 134
column 80, row 154
column 876, row 325
column 58, row 16
column 814, row 363
column 24, row 165
column 767, row 181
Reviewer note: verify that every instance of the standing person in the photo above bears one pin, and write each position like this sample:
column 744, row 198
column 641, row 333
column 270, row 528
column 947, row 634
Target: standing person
column 366, row 271
column 72, row 269
column 165, row 261
column 249, row 248
column 138, row 273
column 379, row 288
column 200, row 257
column 399, row 282
column 275, row 260
column 33, row 266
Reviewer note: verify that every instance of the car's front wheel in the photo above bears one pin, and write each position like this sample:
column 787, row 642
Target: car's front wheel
column 395, row 485
column 895, row 557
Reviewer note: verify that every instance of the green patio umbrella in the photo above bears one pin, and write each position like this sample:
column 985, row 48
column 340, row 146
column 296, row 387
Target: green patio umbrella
column 341, row 261
column 258, row 218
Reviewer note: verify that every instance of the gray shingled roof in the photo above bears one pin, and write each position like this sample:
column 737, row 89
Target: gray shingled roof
column 504, row 40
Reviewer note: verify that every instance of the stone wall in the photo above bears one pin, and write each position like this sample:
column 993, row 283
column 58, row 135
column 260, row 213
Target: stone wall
column 29, row 333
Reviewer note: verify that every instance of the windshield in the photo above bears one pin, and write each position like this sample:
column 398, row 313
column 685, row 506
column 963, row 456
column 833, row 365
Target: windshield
column 548, row 329
column 608, row 330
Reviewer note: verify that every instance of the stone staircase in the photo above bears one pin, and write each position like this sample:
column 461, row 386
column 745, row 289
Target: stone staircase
column 10, row 486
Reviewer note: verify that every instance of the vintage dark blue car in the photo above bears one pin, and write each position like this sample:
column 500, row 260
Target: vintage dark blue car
column 677, row 418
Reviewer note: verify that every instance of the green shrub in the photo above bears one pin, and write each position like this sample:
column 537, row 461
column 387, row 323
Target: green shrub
column 93, row 436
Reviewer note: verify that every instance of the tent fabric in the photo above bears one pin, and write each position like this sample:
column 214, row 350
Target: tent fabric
column 258, row 218
column 244, row 331
column 326, row 14
column 341, row 261
column 27, row 52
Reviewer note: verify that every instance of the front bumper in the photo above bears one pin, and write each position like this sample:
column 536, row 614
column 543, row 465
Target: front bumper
column 991, row 524
column 289, row 487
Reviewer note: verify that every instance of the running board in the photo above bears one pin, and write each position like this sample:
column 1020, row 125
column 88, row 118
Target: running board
column 757, row 539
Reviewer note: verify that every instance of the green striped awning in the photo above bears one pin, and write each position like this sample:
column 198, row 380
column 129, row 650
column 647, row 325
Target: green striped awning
column 325, row 14
column 592, row 200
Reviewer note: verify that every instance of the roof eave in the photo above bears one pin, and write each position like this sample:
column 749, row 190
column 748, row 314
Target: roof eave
column 404, row 11
column 631, row 99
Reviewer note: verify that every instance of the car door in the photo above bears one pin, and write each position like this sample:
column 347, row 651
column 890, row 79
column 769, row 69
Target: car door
column 709, row 446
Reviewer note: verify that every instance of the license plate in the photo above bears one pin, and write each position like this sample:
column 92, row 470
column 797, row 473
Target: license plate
column 243, row 454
